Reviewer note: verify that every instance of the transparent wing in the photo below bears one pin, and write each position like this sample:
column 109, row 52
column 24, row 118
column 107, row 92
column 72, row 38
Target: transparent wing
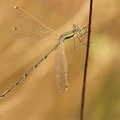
column 30, row 22
column 31, row 25
column 30, row 36
column 61, row 70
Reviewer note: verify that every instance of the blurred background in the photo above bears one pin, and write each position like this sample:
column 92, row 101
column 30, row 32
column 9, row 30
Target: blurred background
column 37, row 98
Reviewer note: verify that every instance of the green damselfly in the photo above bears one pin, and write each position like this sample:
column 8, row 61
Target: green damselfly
column 35, row 28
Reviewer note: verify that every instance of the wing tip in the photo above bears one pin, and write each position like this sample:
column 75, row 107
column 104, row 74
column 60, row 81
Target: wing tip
column 14, row 28
column 16, row 7
column 66, row 87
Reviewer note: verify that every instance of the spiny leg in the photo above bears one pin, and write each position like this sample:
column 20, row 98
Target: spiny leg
column 74, row 40
column 86, row 28
column 82, row 34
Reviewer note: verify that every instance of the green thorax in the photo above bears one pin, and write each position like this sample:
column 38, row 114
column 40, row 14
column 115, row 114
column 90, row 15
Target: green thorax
column 68, row 34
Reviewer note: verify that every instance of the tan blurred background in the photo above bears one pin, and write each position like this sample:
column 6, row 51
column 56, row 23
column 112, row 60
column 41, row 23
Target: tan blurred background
column 37, row 98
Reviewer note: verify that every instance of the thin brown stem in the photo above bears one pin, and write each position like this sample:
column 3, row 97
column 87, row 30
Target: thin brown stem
column 86, row 62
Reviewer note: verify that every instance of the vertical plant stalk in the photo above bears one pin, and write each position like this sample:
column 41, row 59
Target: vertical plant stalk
column 86, row 62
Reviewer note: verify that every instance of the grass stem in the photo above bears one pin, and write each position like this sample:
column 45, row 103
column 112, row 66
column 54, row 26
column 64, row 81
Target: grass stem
column 86, row 62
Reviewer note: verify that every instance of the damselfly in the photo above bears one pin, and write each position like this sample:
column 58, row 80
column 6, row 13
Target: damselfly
column 34, row 27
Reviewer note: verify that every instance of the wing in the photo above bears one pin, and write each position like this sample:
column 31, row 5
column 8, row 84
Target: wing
column 61, row 70
column 30, row 36
column 30, row 24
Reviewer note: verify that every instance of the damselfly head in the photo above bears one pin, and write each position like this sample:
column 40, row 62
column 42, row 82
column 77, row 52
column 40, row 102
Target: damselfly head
column 77, row 28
